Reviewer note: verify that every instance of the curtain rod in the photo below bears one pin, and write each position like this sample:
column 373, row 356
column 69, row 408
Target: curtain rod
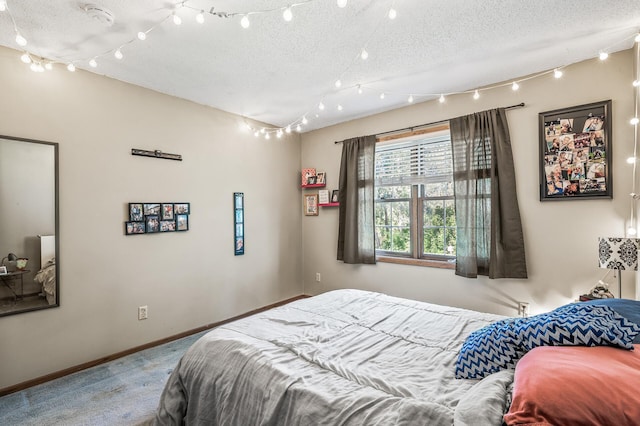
column 521, row 104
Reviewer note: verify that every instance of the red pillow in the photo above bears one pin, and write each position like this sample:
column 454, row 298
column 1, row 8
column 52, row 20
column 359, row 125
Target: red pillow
column 576, row 385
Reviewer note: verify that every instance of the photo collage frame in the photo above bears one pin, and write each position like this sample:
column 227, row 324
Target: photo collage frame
column 575, row 150
column 151, row 218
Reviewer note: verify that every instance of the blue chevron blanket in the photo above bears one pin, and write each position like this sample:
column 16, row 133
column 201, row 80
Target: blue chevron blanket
column 500, row 345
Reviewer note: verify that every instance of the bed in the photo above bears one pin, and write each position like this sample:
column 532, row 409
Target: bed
column 351, row 357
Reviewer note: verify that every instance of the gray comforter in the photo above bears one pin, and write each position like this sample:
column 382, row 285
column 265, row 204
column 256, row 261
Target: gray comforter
column 346, row 357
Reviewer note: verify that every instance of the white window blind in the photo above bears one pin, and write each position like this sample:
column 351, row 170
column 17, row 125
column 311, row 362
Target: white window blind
column 416, row 160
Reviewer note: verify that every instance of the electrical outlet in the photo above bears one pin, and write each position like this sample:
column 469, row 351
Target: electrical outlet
column 523, row 309
column 318, row 277
column 143, row 312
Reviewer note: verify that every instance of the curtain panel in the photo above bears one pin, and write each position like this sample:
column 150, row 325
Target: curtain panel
column 356, row 229
column 489, row 231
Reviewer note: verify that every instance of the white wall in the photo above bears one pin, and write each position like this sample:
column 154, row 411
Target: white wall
column 560, row 237
column 187, row 279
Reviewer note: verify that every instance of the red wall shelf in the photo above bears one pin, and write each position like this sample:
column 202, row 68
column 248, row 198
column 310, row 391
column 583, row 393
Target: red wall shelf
column 315, row 185
column 329, row 205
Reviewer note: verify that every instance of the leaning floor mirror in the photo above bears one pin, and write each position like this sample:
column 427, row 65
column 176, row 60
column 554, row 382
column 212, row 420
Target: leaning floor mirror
column 29, row 243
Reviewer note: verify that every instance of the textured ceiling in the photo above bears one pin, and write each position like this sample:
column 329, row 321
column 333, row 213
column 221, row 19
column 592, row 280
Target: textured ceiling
column 278, row 72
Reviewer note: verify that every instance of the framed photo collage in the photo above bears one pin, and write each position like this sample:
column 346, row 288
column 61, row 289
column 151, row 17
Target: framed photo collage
column 151, row 218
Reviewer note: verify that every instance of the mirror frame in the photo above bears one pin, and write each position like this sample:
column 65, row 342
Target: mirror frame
column 55, row 146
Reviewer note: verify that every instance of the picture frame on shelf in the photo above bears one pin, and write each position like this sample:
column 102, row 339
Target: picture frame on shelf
column 323, row 196
column 575, row 152
column 321, row 178
column 334, row 195
column 136, row 212
column 311, row 205
column 306, row 173
column 312, row 180
column 182, row 222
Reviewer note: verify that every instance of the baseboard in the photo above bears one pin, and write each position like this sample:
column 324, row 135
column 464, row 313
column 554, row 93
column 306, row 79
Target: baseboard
column 56, row 375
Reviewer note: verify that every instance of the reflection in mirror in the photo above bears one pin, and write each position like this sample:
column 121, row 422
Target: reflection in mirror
column 29, row 269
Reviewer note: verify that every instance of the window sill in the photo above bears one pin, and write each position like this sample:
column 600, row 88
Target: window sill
column 443, row 264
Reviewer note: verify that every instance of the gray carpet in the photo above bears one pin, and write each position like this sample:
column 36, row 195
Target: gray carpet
column 125, row 391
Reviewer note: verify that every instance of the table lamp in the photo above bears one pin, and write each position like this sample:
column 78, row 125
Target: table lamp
column 10, row 257
column 618, row 254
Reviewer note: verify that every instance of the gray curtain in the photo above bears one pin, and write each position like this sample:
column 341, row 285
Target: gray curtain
column 356, row 233
column 489, row 231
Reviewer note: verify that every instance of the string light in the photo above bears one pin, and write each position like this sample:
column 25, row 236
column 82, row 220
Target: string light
column 71, row 68
column 287, row 15
column 21, row 40
column 634, row 121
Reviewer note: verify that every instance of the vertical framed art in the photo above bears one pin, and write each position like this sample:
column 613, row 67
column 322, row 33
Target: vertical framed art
column 238, row 223
column 575, row 152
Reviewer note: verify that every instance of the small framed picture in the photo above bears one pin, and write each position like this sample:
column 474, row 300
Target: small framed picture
column 311, row 205
column 334, row 196
column 182, row 222
column 182, row 208
column 306, row 173
column 3, row 270
column 167, row 211
column 136, row 213
column 167, row 225
column 152, row 223
column 150, row 209
column 321, row 178
column 133, row 228
column 323, row 196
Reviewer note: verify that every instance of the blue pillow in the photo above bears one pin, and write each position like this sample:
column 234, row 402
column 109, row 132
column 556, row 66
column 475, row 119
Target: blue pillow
column 501, row 344
column 630, row 309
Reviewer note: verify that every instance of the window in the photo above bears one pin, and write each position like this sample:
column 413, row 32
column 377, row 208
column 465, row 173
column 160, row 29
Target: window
column 414, row 207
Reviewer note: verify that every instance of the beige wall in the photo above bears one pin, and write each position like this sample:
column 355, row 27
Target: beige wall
column 560, row 237
column 187, row 279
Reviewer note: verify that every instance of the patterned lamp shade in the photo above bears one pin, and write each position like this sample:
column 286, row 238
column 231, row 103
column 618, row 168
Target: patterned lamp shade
column 618, row 253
